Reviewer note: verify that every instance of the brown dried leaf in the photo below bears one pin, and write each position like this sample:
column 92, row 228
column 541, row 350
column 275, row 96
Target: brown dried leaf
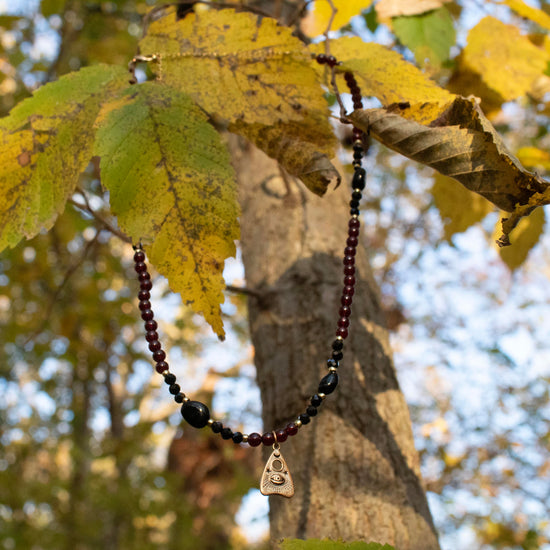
column 462, row 144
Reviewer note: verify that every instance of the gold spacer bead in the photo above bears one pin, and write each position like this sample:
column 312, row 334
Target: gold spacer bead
column 298, row 423
column 245, row 438
column 333, row 369
column 210, row 421
column 321, row 395
column 185, row 399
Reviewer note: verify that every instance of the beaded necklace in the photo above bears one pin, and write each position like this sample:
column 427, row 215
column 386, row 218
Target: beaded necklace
column 276, row 478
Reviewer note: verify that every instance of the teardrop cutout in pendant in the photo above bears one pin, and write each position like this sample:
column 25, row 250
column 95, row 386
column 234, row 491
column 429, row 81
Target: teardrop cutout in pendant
column 276, row 479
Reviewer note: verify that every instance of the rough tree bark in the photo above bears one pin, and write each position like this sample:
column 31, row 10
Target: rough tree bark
column 355, row 467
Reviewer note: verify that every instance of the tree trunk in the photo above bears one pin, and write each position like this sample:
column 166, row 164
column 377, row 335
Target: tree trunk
column 355, row 468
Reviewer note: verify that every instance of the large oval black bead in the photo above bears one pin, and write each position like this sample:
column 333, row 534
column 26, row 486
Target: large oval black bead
column 358, row 181
column 195, row 413
column 328, row 383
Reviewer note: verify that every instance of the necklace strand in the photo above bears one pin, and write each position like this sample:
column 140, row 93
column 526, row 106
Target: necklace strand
column 196, row 413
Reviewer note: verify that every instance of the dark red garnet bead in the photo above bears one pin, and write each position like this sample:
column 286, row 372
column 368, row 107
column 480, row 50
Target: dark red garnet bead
column 281, row 435
column 254, row 439
column 144, row 276
column 343, row 332
column 353, row 231
column 348, row 291
column 140, row 267
column 151, row 325
column 349, row 280
column 332, row 61
column 321, row 59
column 291, row 429
column 350, row 251
column 343, row 322
column 346, row 300
column 354, row 223
column 348, row 260
column 352, row 242
column 151, row 336
column 155, row 346
column 147, row 315
column 349, row 270
column 144, row 295
column 162, row 366
column 159, row 355
column 268, row 439
column 345, row 311
column 146, row 285
column 146, row 304
column 139, row 256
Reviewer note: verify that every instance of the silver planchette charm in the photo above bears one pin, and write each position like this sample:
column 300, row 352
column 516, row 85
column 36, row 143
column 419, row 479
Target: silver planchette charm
column 276, row 479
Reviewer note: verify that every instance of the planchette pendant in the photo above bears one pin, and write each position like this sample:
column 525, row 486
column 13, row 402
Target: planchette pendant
column 276, row 479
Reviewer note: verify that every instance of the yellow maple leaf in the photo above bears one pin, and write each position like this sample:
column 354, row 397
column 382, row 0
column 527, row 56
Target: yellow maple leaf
column 318, row 18
column 534, row 14
column 172, row 186
column 384, row 74
column 507, row 62
column 264, row 72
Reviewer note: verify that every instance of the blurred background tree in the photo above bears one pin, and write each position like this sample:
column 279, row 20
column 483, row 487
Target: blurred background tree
column 93, row 457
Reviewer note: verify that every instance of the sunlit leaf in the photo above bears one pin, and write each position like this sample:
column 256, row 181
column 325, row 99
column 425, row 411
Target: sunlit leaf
column 386, row 9
column 429, row 35
column 317, row 20
column 302, row 148
column 529, row 12
column 235, row 65
column 507, row 62
column 458, row 207
column 45, row 143
column 523, row 237
column 171, row 185
column 384, row 74
column 533, row 157
column 461, row 144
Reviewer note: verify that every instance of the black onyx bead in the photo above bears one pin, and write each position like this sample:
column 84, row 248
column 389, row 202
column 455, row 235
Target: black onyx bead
column 179, row 398
column 304, row 418
column 227, row 433
column 217, row 427
column 328, row 383
column 338, row 355
column 195, row 413
column 237, row 437
column 332, row 364
column 354, row 212
column 170, row 379
column 356, row 196
column 174, row 389
column 357, row 155
column 316, row 401
column 358, row 181
column 311, row 410
column 337, row 345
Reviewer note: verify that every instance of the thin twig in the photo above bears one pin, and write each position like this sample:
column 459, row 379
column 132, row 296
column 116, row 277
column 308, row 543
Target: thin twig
column 88, row 209
column 343, row 113
column 243, row 290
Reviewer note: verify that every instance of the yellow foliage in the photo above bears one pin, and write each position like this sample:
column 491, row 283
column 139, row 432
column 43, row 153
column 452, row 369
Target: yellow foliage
column 533, row 157
column 507, row 62
column 264, row 72
column 318, row 18
column 534, row 14
column 458, row 207
column 386, row 9
column 172, row 187
column 523, row 238
column 384, row 74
